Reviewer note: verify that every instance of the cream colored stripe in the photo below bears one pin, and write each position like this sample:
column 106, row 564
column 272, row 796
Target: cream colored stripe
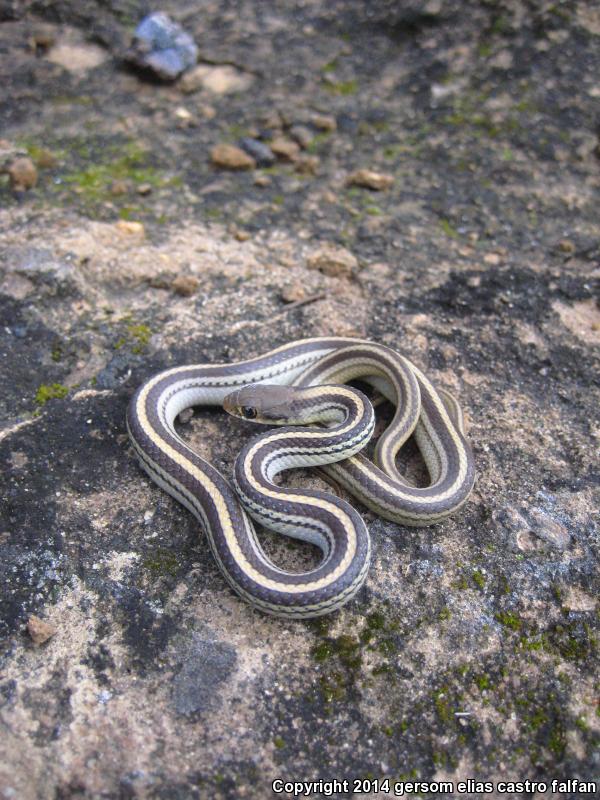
column 226, row 523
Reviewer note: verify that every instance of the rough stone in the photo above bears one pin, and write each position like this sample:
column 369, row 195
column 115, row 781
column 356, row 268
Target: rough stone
column 285, row 149
column 307, row 165
column 333, row 261
column 369, row 179
column 293, row 293
column 324, row 122
column 228, row 156
column 260, row 152
column 163, row 47
column 120, row 187
column 39, row 630
column 130, row 228
column 22, row 174
column 185, row 285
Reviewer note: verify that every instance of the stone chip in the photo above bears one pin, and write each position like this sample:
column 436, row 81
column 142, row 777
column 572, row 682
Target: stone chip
column 39, row 630
column 228, row 156
column 369, row 179
column 337, row 262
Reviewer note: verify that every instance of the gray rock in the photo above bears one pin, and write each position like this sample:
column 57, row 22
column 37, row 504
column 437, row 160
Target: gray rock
column 163, row 47
column 260, row 152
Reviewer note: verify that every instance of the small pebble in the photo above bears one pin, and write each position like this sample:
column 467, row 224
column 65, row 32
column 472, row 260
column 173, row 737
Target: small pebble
column 285, row 149
column 228, row 156
column 119, row 187
column 22, row 174
column 39, row 630
column 163, row 47
column 307, row 165
column 144, row 189
column 130, row 228
column 185, row 285
column 302, row 135
column 184, row 118
column 182, row 113
column 185, row 416
column 333, row 261
column 293, row 292
column 368, row 179
column 217, row 80
column 324, row 122
column 566, row 246
column 492, row 258
column 260, row 152
column 262, row 181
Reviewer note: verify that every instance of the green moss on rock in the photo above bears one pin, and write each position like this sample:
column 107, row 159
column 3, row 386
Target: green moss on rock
column 50, row 391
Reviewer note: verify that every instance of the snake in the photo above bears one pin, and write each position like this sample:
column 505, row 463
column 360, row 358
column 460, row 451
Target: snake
column 300, row 389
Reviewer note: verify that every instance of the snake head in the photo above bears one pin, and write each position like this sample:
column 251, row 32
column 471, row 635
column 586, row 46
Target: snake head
column 266, row 403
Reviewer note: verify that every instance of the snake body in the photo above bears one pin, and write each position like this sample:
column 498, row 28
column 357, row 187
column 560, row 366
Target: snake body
column 434, row 418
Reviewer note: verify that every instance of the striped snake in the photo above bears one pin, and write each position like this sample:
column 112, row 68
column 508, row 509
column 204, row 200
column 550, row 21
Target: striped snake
column 297, row 384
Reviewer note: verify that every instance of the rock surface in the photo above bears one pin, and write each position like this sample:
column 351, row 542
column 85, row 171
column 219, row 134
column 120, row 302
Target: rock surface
column 471, row 652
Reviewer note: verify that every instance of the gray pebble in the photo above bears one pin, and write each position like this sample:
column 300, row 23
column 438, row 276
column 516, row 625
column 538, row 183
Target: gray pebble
column 259, row 151
column 163, row 47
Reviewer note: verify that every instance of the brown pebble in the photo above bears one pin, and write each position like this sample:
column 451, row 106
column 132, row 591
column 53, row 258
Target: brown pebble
column 333, row 261
column 302, row 135
column 492, row 258
column 130, row 228
column 228, row 156
column 185, row 285
column 22, row 174
column 566, row 246
column 262, row 181
column 307, row 165
column 39, row 630
column 241, row 235
column 119, row 187
column 144, row 189
column 368, row 179
column 324, row 122
column 293, row 292
column 285, row 149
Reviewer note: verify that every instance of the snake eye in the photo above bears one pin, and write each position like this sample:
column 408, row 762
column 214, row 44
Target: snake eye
column 249, row 412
